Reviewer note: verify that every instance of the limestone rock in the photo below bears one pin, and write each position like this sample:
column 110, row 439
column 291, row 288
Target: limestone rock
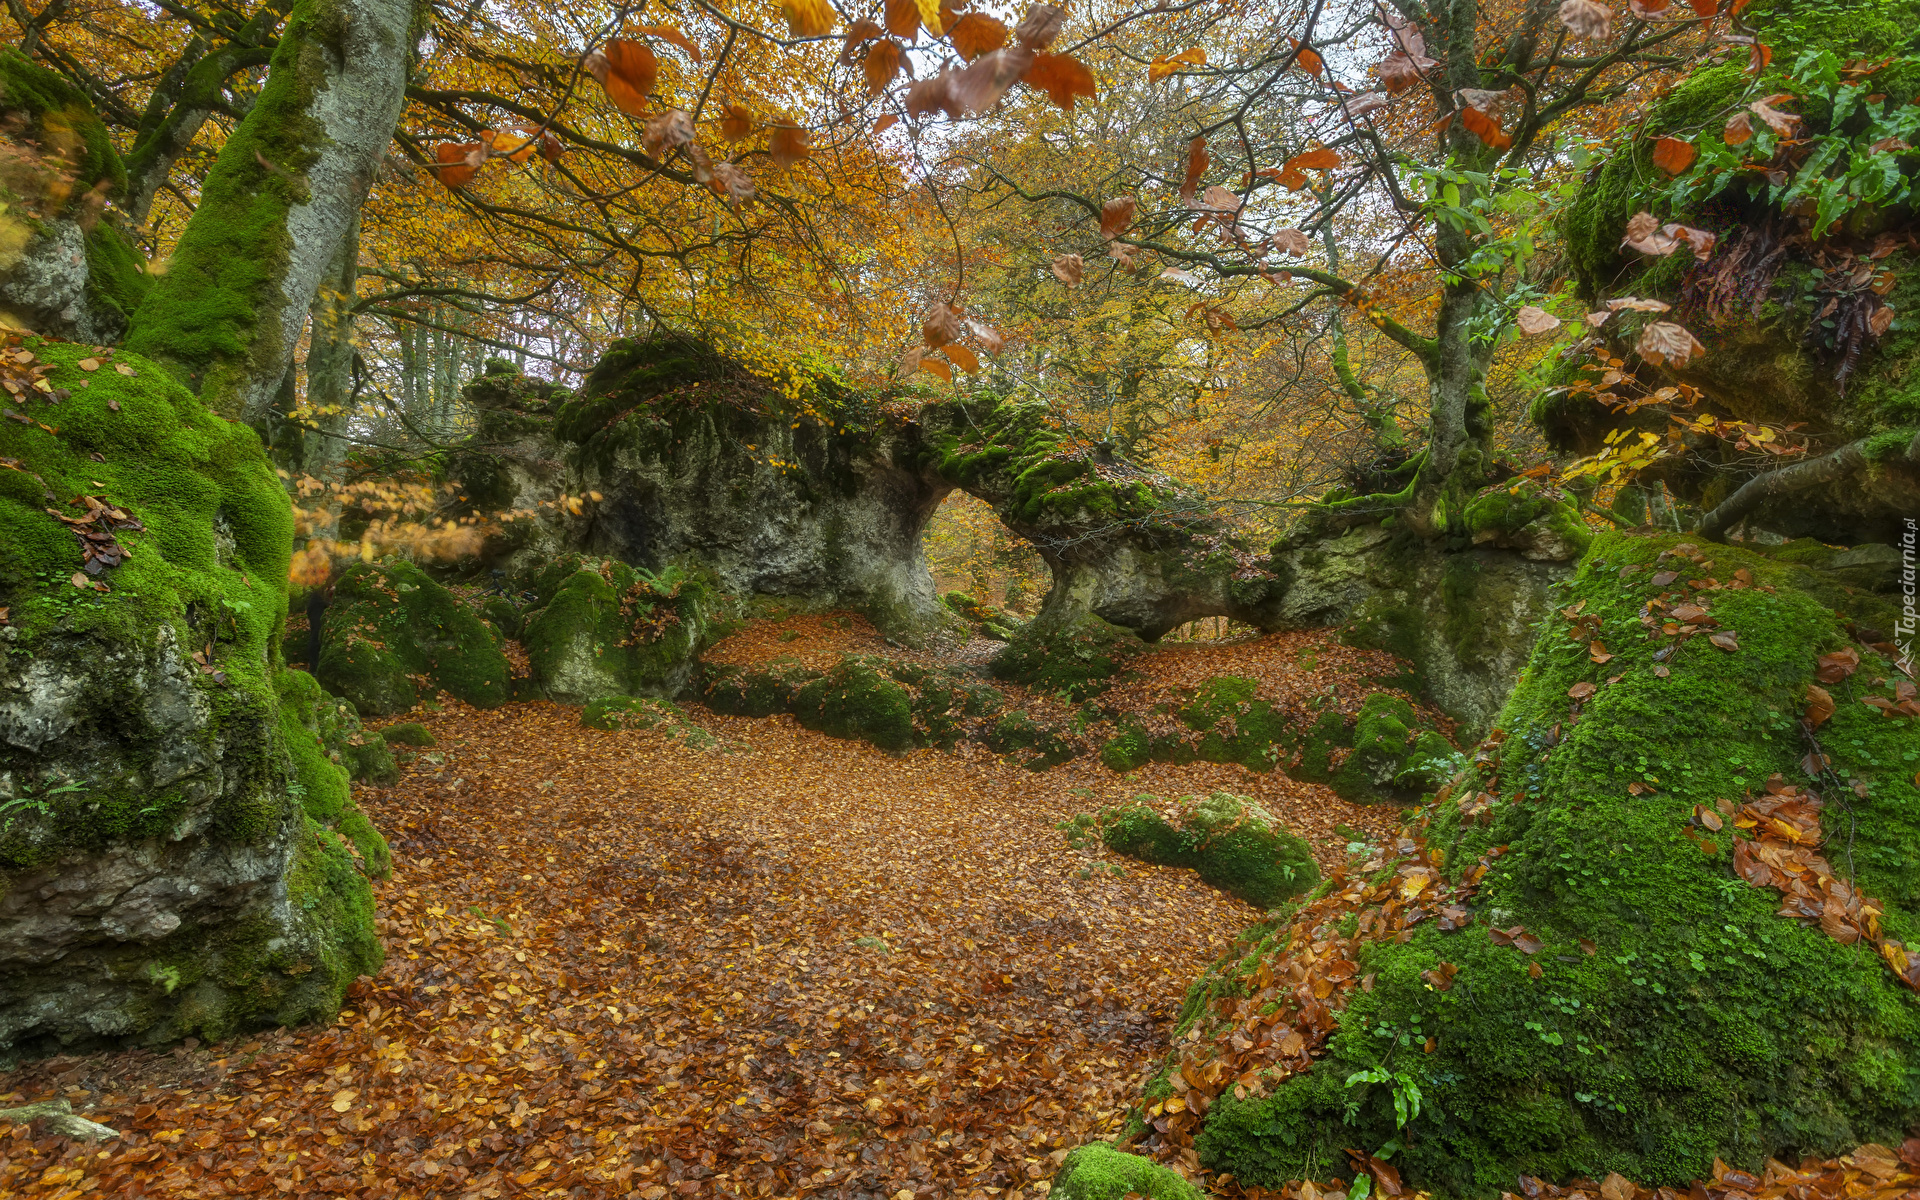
column 178, row 855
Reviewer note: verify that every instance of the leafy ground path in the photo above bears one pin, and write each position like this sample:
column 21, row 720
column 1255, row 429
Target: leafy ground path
column 619, row 965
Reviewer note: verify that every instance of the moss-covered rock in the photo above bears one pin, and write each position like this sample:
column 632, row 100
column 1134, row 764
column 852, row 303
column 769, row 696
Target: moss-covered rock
column 1520, row 516
column 65, row 266
column 891, row 703
column 987, row 621
column 1099, row 1171
column 393, row 636
column 1232, row 843
column 645, row 712
column 857, row 698
column 1080, row 659
column 1668, row 1015
column 612, row 629
column 336, row 724
column 1016, row 732
column 178, row 854
column 412, row 734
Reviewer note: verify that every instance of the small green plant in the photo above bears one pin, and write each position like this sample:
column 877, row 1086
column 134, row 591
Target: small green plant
column 167, row 977
column 1406, row 1094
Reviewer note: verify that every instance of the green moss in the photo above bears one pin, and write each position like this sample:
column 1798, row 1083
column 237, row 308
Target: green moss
column 1701, row 1025
column 392, row 630
column 632, row 712
column 1080, row 659
column 206, row 577
column 1232, row 843
column 612, row 629
column 336, row 724
column 1383, row 737
column 1597, row 219
column 214, row 317
column 1016, row 732
column 59, row 118
column 856, row 699
column 1099, row 1171
column 408, row 734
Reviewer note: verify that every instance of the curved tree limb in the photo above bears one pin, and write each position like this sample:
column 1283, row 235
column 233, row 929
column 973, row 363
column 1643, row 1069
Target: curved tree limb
column 1799, row 477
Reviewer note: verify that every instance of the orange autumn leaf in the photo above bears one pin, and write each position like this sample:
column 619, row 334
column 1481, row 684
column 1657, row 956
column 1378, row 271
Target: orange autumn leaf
column 1485, row 128
column 458, row 162
column 737, row 123
column 887, row 121
column 1168, row 64
column 1673, row 156
column 788, row 145
column 962, row 357
column 1320, row 158
column 1117, row 213
column 976, row 34
column 1061, row 76
column 934, row 366
column 808, row 18
column 672, row 36
column 902, row 18
column 626, row 69
column 859, row 34
column 1306, row 57
column 881, row 65
column 1196, row 167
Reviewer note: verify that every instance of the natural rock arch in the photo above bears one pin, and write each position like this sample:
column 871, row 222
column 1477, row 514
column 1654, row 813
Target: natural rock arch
column 827, row 498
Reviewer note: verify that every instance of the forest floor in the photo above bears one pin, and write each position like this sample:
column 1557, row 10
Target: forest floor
column 620, row 965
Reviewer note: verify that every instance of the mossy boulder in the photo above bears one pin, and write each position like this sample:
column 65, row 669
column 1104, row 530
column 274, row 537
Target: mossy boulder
column 393, row 636
column 178, row 854
column 1668, row 1015
column 858, row 698
column 1394, row 758
column 645, row 712
column 1080, row 658
column 987, row 621
column 66, row 267
column 1016, row 732
column 411, row 734
column 336, row 724
column 612, row 629
column 1100, row 1171
column 894, row 704
column 1232, row 843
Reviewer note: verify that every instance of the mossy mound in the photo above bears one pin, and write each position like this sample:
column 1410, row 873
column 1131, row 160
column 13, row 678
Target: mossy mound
column 143, row 739
column 895, row 705
column 637, row 712
column 1232, row 843
column 611, row 629
column 393, row 635
column 987, row 621
column 1520, row 516
column 1390, row 752
column 1652, row 1012
column 1016, row 732
column 411, row 733
column 1079, row 659
column 336, row 724
column 1098, row 1171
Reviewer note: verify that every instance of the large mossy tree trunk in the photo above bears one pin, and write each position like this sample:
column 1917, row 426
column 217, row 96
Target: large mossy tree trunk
column 286, row 190
column 1561, row 960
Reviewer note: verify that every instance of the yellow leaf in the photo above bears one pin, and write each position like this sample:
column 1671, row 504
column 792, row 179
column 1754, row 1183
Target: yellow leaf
column 811, row 18
column 930, row 15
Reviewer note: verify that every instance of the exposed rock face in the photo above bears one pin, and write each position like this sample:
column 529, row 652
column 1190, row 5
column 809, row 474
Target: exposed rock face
column 698, row 462
column 178, row 855
column 47, row 285
column 1465, row 620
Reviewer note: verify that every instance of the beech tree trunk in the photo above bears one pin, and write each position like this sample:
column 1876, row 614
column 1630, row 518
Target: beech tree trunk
column 284, row 193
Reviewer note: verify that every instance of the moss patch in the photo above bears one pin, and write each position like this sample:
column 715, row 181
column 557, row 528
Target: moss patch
column 1693, row 1023
column 1099, row 1171
column 1232, row 843
column 612, row 629
column 392, row 635
column 1080, row 659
